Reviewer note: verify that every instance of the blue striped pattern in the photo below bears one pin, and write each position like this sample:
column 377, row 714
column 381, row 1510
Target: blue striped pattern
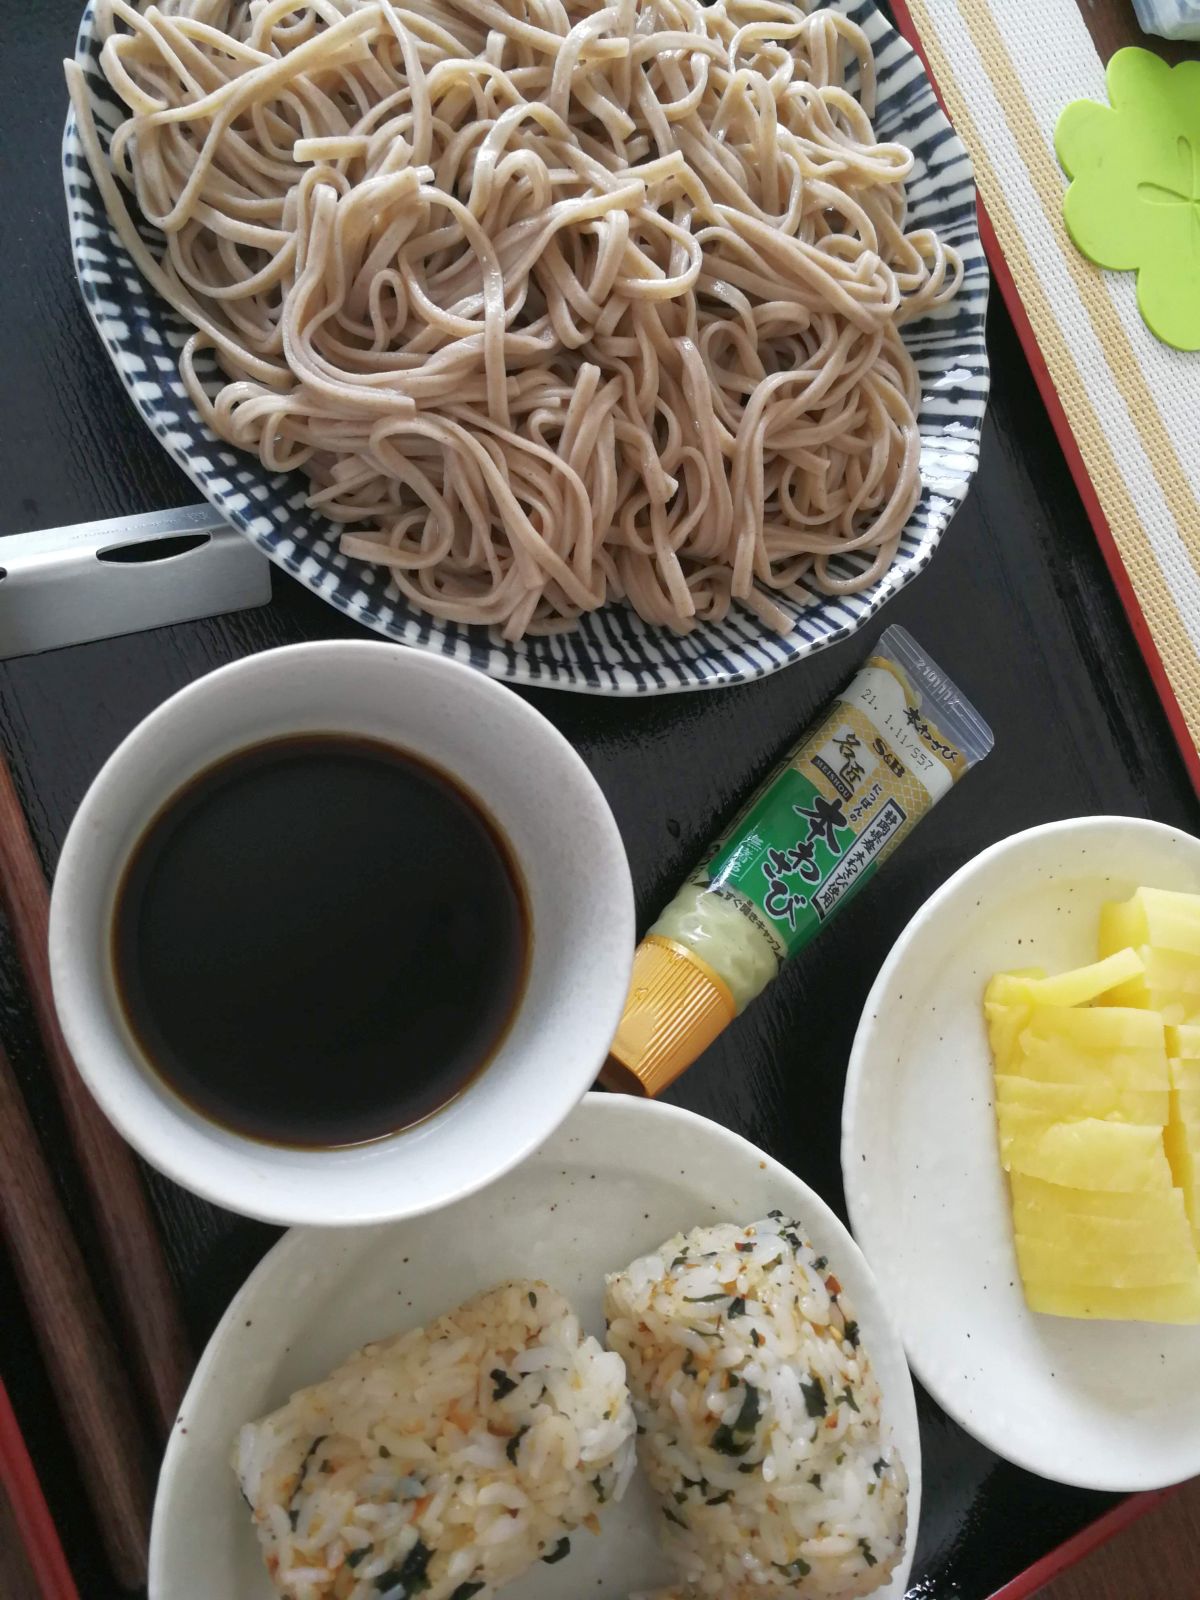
column 612, row 651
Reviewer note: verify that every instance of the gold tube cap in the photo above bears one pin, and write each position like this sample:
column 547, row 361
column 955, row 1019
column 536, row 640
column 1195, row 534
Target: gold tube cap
column 677, row 1006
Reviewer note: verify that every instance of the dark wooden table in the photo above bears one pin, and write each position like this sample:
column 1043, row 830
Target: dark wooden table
column 1017, row 606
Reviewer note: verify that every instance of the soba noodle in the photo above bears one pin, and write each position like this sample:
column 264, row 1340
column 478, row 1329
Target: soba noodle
column 554, row 304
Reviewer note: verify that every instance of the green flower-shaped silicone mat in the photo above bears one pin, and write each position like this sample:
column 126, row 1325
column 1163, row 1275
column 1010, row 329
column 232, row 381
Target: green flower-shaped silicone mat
column 1133, row 204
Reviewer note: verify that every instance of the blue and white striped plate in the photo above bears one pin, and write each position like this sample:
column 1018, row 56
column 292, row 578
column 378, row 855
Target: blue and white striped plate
column 611, row 651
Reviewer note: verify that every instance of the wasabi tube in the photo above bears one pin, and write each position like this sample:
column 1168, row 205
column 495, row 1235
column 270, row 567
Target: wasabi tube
column 889, row 747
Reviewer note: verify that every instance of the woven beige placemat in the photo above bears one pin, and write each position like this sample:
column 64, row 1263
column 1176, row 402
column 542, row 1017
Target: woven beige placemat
column 1005, row 69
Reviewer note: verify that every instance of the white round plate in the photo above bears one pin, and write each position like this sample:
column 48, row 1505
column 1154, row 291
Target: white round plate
column 1105, row 1405
column 617, row 1179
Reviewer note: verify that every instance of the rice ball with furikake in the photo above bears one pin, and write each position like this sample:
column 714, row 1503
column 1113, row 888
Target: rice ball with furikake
column 759, row 1415
column 443, row 1462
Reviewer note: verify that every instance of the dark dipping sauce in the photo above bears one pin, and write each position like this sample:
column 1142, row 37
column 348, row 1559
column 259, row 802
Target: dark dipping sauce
column 320, row 941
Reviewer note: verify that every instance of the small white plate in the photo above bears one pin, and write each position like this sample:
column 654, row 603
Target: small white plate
column 618, row 1178
column 1105, row 1405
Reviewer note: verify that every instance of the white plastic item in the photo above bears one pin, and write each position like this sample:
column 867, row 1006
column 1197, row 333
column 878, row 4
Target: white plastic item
column 1170, row 19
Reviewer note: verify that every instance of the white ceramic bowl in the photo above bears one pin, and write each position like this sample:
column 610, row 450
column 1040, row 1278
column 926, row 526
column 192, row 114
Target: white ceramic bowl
column 1105, row 1405
column 602, row 1191
column 562, row 834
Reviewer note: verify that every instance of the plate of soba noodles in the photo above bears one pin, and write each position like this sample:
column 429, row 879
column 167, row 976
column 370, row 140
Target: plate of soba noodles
column 623, row 348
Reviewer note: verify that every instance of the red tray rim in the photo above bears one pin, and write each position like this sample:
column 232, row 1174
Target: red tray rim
column 1081, row 1544
column 30, row 1511
column 32, row 1514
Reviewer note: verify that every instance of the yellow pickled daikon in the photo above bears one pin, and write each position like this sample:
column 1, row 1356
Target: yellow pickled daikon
column 1097, row 1093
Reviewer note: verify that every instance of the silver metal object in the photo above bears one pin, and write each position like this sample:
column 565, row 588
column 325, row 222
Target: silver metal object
column 62, row 586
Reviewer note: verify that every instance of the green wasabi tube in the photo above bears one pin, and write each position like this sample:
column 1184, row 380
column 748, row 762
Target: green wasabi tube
column 888, row 748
